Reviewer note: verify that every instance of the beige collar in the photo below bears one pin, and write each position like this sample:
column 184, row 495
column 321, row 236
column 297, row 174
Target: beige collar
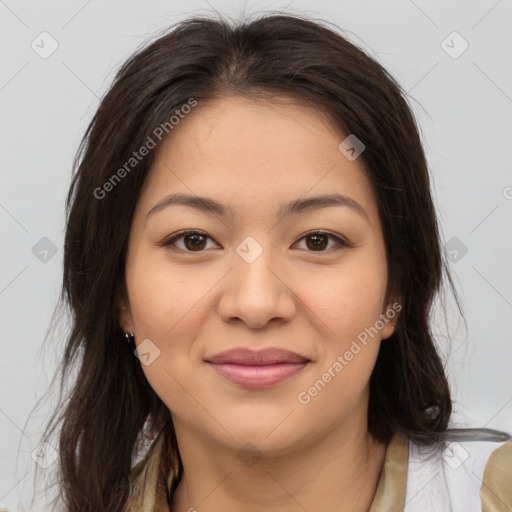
column 390, row 494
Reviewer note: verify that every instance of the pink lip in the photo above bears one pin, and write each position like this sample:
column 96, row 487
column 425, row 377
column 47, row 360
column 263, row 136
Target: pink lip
column 259, row 376
column 257, row 369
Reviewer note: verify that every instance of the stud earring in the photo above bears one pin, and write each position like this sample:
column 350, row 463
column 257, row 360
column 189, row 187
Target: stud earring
column 130, row 336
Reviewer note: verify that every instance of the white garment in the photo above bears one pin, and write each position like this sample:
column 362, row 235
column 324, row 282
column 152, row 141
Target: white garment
column 449, row 480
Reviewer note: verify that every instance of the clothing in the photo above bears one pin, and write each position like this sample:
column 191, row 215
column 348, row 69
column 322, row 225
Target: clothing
column 468, row 476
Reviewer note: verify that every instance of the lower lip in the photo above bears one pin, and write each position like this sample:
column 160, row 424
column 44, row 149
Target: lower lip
column 258, row 376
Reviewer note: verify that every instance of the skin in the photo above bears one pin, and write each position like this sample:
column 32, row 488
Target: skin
column 254, row 156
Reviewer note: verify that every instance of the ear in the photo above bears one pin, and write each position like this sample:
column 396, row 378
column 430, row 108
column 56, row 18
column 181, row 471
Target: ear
column 390, row 317
column 124, row 314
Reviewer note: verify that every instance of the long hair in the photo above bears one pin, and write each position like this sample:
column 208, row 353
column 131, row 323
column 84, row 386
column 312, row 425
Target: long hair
column 110, row 410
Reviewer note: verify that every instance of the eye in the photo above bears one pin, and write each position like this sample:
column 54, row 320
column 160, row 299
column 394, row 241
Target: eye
column 196, row 241
column 321, row 238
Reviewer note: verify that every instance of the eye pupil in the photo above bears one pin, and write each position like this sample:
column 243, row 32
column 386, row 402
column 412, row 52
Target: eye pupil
column 316, row 244
column 196, row 244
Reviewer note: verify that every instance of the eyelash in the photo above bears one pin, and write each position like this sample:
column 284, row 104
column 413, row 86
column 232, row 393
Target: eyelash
column 182, row 234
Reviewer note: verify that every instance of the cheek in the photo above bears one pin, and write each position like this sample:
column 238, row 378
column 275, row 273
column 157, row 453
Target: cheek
column 348, row 299
column 346, row 309
column 168, row 308
column 162, row 297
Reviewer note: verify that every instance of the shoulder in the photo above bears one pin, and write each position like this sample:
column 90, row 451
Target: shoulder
column 496, row 490
column 470, row 472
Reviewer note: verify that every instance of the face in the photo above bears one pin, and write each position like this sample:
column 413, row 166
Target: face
column 310, row 280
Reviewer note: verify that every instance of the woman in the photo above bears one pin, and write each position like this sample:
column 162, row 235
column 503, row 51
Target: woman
column 251, row 257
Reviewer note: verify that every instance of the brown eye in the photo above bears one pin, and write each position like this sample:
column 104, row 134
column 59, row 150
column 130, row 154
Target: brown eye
column 318, row 241
column 193, row 241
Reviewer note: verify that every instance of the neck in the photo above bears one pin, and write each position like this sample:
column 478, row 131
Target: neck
column 338, row 472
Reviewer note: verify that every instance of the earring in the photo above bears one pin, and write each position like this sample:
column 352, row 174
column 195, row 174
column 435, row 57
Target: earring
column 130, row 336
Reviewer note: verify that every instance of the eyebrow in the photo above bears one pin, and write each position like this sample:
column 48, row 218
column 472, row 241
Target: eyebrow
column 298, row 206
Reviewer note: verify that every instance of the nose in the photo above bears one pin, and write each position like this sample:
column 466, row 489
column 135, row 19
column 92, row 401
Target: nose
column 257, row 293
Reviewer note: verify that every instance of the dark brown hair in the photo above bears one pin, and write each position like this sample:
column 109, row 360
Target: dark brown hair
column 110, row 405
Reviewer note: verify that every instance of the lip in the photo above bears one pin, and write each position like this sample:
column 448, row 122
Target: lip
column 257, row 369
column 244, row 356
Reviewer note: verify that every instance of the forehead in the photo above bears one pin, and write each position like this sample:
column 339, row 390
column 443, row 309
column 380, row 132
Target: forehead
column 235, row 128
column 239, row 150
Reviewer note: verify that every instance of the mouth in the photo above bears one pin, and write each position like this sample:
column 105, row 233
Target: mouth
column 257, row 369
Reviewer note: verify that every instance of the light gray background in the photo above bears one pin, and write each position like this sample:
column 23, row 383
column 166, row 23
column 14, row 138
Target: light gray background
column 464, row 106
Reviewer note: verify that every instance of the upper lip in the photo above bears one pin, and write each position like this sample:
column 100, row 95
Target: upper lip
column 256, row 357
